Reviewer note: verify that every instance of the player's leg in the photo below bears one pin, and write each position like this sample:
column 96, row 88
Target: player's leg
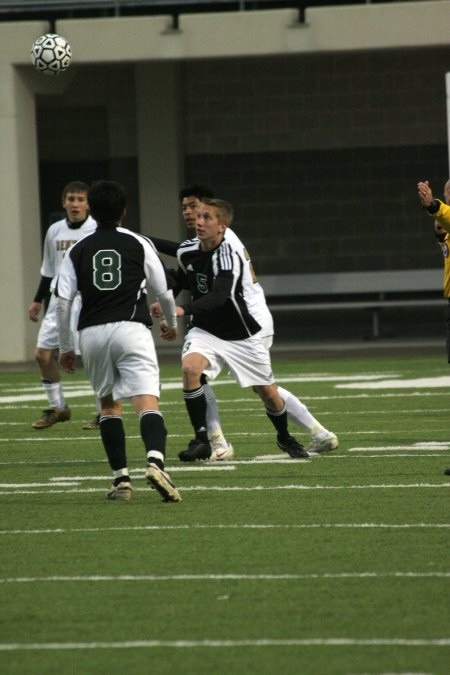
column 192, row 366
column 221, row 449
column 154, row 434
column 137, row 378
column 277, row 414
column 322, row 440
column 94, row 423
column 45, row 355
column 249, row 360
column 113, row 438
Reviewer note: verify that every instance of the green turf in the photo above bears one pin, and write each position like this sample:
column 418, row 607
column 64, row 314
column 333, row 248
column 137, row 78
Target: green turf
column 334, row 565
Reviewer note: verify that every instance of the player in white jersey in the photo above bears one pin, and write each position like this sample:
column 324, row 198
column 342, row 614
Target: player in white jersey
column 59, row 237
column 321, row 439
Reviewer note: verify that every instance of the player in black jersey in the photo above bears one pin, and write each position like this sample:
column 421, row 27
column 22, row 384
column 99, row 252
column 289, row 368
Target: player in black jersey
column 112, row 268
column 190, row 198
column 224, row 332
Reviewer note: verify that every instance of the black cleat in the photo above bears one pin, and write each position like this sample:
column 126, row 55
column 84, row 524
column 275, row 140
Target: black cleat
column 195, row 450
column 292, row 447
column 447, row 472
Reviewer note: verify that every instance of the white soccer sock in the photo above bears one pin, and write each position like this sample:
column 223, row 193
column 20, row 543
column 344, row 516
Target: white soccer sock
column 54, row 391
column 212, row 412
column 299, row 413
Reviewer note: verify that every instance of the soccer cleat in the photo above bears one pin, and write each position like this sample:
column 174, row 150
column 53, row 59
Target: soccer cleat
column 93, row 424
column 292, row 447
column 195, row 450
column 221, row 453
column 121, row 492
column 447, row 472
column 326, row 444
column 221, row 450
column 160, row 480
column 50, row 417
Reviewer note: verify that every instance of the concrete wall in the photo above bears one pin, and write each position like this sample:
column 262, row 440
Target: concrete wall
column 316, row 132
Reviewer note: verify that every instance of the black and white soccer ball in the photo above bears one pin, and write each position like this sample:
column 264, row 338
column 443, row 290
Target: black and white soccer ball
column 51, row 54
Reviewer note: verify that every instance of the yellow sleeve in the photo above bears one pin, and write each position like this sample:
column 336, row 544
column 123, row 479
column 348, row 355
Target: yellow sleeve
column 443, row 215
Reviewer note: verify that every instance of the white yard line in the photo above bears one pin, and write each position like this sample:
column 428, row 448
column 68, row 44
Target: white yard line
column 97, row 578
column 251, row 526
column 261, row 642
column 230, row 488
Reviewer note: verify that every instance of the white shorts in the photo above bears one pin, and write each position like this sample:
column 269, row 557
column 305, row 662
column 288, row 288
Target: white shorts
column 214, row 369
column 48, row 337
column 120, row 359
column 248, row 360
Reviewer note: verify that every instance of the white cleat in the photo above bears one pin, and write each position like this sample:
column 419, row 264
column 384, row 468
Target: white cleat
column 121, row 492
column 221, row 450
column 160, row 480
column 221, row 453
column 319, row 446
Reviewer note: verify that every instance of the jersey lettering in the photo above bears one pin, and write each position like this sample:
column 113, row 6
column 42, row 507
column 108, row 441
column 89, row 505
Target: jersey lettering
column 64, row 244
column 202, row 283
column 107, row 270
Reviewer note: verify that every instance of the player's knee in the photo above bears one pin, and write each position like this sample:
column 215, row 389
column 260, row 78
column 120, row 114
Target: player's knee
column 42, row 356
column 191, row 374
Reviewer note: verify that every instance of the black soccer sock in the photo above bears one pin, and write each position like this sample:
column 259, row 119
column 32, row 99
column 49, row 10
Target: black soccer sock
column 196, row 407
column 113, row 437
column 154, row 434
column 280, row 422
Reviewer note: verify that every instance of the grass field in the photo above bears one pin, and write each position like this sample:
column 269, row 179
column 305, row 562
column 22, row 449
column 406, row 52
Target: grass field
column 335, row 564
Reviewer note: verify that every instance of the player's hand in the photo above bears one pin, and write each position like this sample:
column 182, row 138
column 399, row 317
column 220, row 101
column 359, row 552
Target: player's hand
column 167, row 333
column 425, row 193
column 33, row 311
column 67, row 361
column 155, row 310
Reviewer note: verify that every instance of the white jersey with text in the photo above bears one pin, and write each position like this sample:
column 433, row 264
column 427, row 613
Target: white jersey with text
column 59, row 238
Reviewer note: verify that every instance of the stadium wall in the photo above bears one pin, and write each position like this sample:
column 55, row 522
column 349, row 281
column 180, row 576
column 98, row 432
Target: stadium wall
column 317, row 133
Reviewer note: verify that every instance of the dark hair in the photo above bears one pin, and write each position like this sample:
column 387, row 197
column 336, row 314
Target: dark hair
column 197, row 190
column 107, row 201
column 75, row 186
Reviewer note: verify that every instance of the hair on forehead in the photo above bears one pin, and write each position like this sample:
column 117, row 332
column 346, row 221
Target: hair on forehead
column 75, row 186
column 197, row 190
column 223, row 208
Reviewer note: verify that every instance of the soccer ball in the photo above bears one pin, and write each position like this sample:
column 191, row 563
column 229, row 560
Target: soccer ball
column 51, row 54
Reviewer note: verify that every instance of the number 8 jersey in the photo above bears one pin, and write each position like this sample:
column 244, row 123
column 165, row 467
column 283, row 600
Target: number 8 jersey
column 112, row 268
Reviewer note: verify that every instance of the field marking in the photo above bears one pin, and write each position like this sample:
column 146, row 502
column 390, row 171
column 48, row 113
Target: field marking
column 263, row 459
column 82, row 390
column 34, row 438
column 94, row 578
column 137, row 473
column 304, row 526
column 432, row 445
column 427, row 382
column 261, row 642
column 254, row 488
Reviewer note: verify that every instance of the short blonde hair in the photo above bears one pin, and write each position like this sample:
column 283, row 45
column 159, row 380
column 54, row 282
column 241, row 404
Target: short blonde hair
column 224, row 209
